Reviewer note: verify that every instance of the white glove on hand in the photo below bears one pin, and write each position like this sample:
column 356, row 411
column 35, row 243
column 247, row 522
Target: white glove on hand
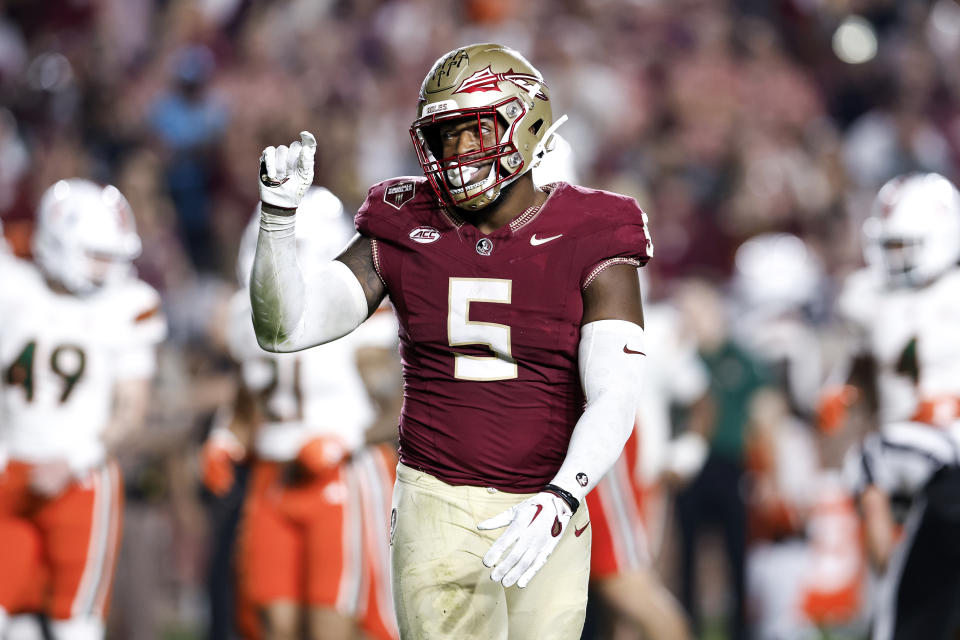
column 535, row 527
column 287, row 172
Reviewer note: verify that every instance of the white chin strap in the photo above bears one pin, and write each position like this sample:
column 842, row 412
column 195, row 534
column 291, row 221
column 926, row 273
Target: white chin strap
column 546, row 143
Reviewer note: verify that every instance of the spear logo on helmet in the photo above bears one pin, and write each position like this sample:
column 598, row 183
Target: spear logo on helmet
column 487, row 80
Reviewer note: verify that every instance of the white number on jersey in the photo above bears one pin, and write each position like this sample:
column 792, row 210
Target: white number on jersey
column 66, row 362
column 463, row 331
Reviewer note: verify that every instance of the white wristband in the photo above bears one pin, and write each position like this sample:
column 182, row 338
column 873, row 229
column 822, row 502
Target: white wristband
column 280, row 226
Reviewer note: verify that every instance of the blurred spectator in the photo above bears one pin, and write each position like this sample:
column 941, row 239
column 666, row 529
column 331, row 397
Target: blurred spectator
column 714, row 497
column 189, row 122
column 13, row 160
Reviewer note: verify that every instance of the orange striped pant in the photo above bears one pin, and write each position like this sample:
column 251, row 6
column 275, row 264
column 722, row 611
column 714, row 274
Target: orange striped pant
column 57, row 555
column 627, row 518
column 320, row 542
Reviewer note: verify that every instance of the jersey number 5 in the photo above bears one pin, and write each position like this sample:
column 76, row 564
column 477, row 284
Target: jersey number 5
column 66, row 361
column 462, row 331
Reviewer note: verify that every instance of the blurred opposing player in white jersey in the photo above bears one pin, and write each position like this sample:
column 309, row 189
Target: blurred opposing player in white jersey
column 77, row 347
column 913, row 239
column 803, row 566
column 897, row 307
column 316, row 519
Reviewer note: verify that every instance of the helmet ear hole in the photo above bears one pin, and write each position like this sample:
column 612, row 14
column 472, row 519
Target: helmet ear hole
column 536, row 126
column 431, row 136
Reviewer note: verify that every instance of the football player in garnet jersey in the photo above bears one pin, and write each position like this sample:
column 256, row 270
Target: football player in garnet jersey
column 77, row 347
column 312, row 542
column 521, row 339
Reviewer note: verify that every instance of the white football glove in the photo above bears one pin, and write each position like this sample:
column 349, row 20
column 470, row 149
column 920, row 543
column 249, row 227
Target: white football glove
column 535, row 528
column 287, row 172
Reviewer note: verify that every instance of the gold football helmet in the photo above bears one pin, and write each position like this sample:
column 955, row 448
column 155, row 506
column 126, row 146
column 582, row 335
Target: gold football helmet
column 472, row 84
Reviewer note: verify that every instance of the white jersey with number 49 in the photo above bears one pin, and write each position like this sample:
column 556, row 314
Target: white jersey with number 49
column 60, row 356
column 308, row 393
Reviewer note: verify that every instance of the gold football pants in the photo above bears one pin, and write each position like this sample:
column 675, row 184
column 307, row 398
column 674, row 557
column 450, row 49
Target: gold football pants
column 441, row 589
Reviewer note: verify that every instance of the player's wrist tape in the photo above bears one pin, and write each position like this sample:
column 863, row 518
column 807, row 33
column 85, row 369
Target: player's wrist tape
column 281, row 226
column 273, row 209
column 564, row 495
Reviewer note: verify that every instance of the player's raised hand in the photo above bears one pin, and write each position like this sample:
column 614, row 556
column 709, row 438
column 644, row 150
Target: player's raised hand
column 534, row 528
column 287, row 172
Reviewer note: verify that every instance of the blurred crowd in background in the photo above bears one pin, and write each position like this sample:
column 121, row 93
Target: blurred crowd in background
column 725, row 119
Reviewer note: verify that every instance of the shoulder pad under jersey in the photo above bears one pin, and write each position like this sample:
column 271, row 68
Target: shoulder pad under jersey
column 137, row 310
column 19, row 279
column 392, row 205
column 608, row 226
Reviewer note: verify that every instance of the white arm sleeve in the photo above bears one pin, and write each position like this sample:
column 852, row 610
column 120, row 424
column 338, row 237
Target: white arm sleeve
column 290, row 314
column 612, row 357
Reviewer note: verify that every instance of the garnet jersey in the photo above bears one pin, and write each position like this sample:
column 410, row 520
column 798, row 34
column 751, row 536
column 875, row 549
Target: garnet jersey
column 490, row 324
column 60, row 356
column 308, row 393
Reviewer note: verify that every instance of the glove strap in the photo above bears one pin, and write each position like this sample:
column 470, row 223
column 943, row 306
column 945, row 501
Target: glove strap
column 564, row 495
column 282, row 226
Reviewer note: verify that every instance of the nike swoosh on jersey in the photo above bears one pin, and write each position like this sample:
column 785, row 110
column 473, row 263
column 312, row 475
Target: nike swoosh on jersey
column 579, row 532
column 535, row 241
column 639, row 353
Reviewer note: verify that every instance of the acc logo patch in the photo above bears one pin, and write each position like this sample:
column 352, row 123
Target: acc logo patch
column 400, row 194
column 424, row 235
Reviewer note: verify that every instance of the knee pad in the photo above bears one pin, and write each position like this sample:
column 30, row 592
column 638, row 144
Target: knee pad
column 83, row 628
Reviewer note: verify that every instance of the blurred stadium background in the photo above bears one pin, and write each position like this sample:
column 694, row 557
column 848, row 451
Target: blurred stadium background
column 725, row 119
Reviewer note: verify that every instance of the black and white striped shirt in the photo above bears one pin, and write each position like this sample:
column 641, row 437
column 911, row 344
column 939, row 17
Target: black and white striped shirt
column 901, row 458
